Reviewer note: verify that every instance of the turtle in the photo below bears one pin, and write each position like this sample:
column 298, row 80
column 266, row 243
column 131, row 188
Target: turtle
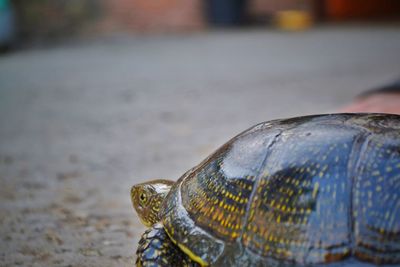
column 316, row 190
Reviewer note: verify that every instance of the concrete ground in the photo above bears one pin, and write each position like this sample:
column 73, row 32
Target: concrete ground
column 81, row 123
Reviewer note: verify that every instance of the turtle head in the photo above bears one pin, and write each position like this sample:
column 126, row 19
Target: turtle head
column 147, row 199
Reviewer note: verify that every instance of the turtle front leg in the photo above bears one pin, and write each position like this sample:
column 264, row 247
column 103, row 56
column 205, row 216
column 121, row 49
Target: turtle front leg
column 156, row 249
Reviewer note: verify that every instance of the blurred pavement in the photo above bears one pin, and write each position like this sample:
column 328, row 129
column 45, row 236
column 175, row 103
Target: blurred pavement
column 81, row 123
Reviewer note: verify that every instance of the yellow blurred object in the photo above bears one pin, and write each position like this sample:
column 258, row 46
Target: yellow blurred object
column 293, row 20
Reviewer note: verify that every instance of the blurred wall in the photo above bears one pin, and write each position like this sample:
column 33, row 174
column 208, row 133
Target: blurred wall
column 272, row 6
column 146, row 15
column 52, row 19
column 362, row 9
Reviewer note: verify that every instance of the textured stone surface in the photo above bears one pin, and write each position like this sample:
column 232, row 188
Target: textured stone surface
column 81, row 123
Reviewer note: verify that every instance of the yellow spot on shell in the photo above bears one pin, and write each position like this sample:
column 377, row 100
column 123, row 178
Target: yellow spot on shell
column 375, row 173
column 315, row 190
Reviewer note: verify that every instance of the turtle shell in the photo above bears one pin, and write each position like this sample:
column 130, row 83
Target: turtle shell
column 307, row 191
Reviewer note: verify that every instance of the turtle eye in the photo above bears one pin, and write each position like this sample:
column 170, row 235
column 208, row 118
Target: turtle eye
column 143, row 198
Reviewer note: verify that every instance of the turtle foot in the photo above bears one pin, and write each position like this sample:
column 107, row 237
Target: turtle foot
column 157, row 250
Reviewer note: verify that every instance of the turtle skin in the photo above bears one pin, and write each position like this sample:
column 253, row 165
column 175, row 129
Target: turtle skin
column 306, row 191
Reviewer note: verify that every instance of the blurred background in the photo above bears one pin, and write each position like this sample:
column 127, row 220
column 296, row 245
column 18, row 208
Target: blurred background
column 27, row 22
column 98, row 95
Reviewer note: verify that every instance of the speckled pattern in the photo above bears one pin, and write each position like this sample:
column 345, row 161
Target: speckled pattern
column 306, row 190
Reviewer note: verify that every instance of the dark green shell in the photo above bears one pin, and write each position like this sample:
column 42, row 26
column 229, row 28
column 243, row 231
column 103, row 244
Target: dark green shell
column 308, row 190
